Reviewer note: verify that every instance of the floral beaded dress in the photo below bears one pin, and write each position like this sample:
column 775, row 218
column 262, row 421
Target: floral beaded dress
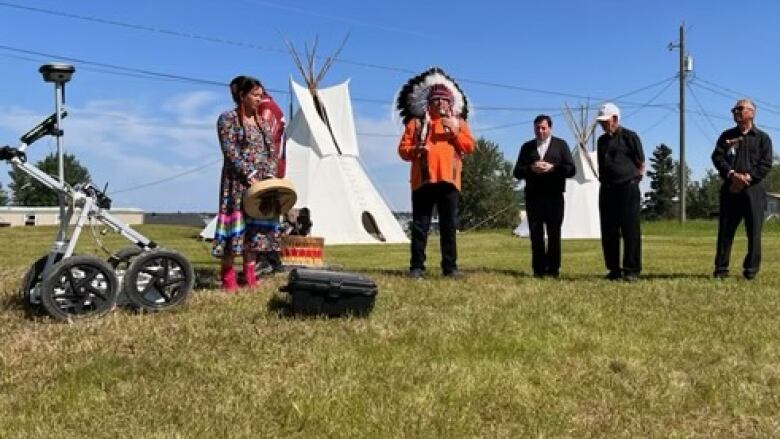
column 247, row 152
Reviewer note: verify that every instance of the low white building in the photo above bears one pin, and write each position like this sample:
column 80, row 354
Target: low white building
column 50, row 216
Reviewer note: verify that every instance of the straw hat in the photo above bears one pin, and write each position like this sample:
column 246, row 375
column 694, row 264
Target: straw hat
column 269, row 198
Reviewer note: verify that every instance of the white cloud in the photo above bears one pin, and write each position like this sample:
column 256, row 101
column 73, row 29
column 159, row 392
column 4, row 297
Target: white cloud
column 128, row 146
column 192, row 107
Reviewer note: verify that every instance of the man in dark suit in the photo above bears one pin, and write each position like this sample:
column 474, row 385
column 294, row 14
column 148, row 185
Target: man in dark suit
column 743, row 158
column 544, row 163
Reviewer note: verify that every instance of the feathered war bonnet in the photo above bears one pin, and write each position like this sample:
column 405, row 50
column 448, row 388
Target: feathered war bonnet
column 412, row 100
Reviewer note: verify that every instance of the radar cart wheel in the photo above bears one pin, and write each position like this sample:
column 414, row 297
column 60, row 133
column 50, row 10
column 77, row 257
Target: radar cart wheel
column 158, row 280
column 79, row 287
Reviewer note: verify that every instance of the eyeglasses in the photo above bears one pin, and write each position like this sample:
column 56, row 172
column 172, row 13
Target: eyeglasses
column 739, row 108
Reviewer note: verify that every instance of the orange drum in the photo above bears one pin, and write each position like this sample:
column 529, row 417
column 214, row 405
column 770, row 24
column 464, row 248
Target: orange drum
column 303, row 250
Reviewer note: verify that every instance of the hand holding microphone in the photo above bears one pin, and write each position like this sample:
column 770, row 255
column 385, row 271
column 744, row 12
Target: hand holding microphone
column 447, row 121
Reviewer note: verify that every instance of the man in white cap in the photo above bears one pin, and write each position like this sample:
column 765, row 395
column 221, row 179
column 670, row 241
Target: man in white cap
column 743, row 158
column 621, row 167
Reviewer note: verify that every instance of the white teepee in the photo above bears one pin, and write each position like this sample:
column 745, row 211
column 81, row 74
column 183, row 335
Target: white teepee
column 581, row 200
column 208, row 232
column 323, row 161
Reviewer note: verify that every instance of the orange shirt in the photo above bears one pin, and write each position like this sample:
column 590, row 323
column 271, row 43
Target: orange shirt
column 442, row 161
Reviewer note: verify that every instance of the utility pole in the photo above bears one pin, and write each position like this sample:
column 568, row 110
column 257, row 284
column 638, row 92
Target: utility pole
column 685, row 66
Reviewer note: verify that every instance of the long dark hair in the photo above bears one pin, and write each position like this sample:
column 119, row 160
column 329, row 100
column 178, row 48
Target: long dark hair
column 241, row 85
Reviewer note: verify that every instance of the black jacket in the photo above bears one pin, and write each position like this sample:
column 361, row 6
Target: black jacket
column 751, row 153
column 620, row 157
column 550, row 182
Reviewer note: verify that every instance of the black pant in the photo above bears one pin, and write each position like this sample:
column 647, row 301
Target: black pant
column 445, row 197
column 545, row 211
column 619, row 210
column 748, row 205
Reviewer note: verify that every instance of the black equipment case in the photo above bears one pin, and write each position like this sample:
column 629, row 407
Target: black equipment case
column 330, row 293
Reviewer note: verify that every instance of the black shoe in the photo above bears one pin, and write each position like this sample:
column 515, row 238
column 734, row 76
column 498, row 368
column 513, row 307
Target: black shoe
column 749, row 275
column 613, row 275
column 631, row 277
column 454, row 274
column 720, row 274
column 416, row 273
column 539, row 275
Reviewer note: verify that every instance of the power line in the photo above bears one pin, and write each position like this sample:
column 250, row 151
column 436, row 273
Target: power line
column 717, row 116
column 141, row 27
column 218, row 40
column 147, row 74
column 650, row 101
column 117, row 67
column 737, row 94
column 702, row 131
column 658, row 122
column 342, row 19
column 698, row 103
column 127, row 71
column 166, row 179
column 730, row 94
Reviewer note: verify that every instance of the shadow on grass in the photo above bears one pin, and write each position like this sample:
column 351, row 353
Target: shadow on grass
column 642, row 277
column 673, row 276
column 205, row 279
column 564, row 277
column 279, row 307
column 435, row 273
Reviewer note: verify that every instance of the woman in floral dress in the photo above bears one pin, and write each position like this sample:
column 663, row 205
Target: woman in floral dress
column 249, row 156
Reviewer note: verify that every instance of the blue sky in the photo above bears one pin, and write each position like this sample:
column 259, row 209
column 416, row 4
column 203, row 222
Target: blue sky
column 513, row 59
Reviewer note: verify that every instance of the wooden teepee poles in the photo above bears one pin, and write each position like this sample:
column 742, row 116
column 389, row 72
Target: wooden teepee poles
column 581, row 133
column 313, row 77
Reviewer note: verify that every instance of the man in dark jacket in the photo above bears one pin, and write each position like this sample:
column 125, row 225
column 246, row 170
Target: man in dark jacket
column 544, row 163
column 621, row 167
column 743, row 158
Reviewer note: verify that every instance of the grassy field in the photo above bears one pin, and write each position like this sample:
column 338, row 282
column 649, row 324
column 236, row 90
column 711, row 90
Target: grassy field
column 499, row 354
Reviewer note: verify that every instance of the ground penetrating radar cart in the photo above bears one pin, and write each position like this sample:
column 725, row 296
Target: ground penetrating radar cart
column 69, row 286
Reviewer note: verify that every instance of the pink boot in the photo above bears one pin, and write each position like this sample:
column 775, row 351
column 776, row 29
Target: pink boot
column 249, row 275
column 228, row 277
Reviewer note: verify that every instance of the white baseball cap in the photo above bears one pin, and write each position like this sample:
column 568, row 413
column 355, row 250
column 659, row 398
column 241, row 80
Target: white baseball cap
column 608, row 110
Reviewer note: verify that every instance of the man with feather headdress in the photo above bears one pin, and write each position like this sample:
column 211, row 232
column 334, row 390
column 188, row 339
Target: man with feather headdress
column 435, row 139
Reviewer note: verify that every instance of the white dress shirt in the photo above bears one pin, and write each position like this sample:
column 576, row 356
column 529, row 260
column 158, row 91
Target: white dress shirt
column 541, row 147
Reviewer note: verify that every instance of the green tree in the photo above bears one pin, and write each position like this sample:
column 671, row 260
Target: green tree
column 489, row 198
column 704, row 196
column 3, row 196
column 691, row 189
column 29, row 192
column 773, row 179
column 660, row 201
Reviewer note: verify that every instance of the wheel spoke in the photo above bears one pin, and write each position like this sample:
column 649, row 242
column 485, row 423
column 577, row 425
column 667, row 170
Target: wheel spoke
column 97, row 292
column 173, row 281
column 71, row 281
column 165, row 294
column 148, row 285
column 89, row 274
column 166, row 266
column 78, row 306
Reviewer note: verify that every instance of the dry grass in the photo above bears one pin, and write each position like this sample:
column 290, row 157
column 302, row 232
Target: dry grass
column 498, row 355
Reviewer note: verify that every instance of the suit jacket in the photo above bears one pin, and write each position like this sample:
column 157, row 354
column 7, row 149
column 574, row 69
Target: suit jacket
column 553, row 182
